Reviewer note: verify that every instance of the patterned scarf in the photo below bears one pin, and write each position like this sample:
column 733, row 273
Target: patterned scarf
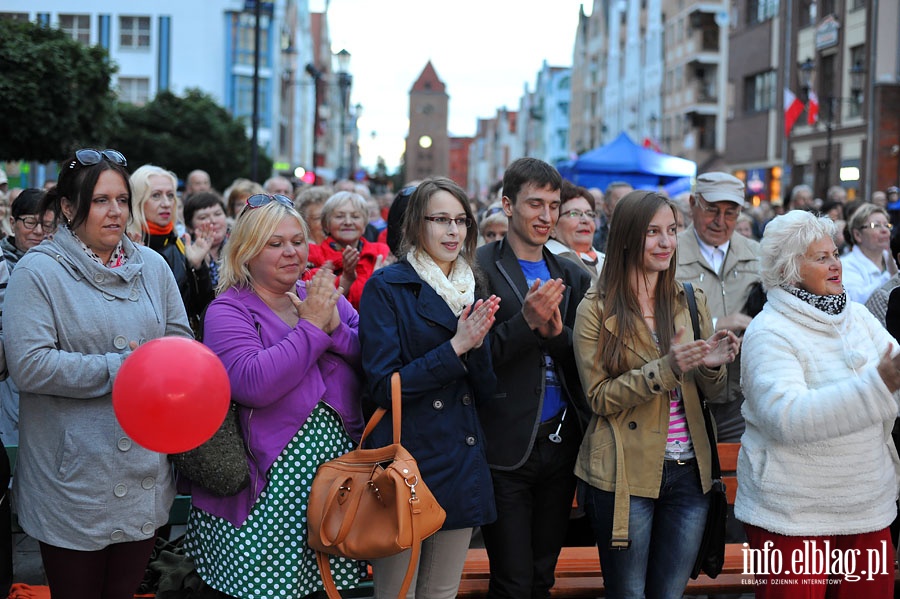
column 458, row 290
column 830, row 304
column 117, row 258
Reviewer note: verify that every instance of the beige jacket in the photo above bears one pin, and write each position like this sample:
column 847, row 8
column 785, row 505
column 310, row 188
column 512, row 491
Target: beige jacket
column 624, row 447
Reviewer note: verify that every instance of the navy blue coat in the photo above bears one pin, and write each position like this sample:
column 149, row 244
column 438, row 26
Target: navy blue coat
column 406, row 326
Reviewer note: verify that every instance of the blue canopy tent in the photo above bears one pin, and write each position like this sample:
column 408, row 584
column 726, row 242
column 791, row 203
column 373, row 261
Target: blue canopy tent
column 624, row 160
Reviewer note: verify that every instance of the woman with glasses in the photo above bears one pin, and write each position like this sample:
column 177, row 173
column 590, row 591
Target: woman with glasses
column 646, row 455
column 420, row 317
column 574, row 232
column 353, row 258
column 204, row 213
column 30, row 226
column 869, row 263
column 153, row 222
column 75, row 308
column 292, row 354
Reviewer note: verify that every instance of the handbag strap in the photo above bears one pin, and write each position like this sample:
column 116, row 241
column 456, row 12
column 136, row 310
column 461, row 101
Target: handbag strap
column 710, row 430
column 380, row 412
column 415, row 551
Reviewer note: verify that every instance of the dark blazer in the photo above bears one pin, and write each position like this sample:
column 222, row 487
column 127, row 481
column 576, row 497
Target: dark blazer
column 512, row 419
column 406, row 326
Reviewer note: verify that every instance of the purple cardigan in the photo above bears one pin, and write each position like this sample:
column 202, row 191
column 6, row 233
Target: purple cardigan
column 278, row 374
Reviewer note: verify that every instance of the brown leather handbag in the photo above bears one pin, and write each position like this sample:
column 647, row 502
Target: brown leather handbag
column 371, row 503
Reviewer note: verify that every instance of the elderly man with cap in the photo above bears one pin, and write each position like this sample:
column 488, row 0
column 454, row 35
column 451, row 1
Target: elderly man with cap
column 725, row 265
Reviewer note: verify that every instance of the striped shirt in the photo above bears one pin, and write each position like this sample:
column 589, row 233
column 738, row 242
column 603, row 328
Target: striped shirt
column 678, row 442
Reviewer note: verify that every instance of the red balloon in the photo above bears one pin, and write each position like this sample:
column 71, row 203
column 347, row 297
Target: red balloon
column 171, row 394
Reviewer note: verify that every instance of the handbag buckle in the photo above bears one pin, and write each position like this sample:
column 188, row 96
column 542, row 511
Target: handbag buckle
column 412, row 487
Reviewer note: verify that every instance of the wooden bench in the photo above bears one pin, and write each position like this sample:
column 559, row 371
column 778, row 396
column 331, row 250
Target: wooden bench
column 578, row 568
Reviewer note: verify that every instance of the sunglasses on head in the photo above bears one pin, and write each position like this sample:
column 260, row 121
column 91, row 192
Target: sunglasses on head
column 90, row 157
column 261, row 199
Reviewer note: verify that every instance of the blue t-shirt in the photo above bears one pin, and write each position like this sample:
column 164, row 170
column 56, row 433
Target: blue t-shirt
column 553, row 396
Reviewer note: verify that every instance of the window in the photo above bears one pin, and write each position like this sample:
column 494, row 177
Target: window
column 134, row 32
column 854, row 106
column 759, row 11
column 243, row 94
column 759, row 92
column 807, row 13
column 78, row 27
column 244, row 38
column 14, row 16
column 134, row 90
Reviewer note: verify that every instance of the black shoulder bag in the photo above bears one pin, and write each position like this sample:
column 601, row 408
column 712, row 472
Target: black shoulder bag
column 711, row 555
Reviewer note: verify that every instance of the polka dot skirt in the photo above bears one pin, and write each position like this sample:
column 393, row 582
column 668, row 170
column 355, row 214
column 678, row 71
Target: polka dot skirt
column 267, row 557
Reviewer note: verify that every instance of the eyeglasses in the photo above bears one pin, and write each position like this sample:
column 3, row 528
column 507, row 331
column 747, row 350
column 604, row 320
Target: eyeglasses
column 462, row 221
column 30, row 223
column 713, row 211
column 887, row 226
column 261, row 199
column 90, row 157
column 577, row 214
column 492, row 211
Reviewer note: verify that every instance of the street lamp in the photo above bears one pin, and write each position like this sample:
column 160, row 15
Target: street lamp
column 316, row 75
column 345, row 80
column 857, row 78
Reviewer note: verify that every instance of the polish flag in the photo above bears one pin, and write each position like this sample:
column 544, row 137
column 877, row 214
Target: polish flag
column 793, row 108
column 812, row 109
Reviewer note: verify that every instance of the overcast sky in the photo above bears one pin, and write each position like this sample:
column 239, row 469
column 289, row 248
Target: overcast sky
column 485, row 52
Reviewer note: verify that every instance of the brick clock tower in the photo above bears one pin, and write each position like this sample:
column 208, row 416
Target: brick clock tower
column 428, row 144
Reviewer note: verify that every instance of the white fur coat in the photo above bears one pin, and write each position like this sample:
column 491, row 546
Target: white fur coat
column 817, row 456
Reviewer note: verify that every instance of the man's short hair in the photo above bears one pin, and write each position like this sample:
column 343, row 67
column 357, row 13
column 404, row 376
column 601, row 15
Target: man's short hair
column 529, row 170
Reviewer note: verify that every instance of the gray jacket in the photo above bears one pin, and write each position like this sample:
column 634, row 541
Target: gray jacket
column 81, row 483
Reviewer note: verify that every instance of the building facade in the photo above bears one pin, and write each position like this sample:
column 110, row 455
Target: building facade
column 543, row 126
column 428, row 143
column 845, row 55
column 210, row 45
column 496, row 144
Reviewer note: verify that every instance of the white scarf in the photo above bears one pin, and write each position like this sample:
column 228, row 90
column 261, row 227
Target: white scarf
column 458, row 290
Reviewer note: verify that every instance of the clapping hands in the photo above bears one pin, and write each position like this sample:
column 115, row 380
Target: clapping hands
column 721, row 348
column 474, row 323
column 320, row 306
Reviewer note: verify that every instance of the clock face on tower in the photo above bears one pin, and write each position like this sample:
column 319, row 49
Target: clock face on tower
column 425, row 141
column 427, row 109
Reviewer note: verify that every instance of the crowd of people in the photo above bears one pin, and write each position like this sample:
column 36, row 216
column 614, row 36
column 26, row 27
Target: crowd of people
column 544, row 342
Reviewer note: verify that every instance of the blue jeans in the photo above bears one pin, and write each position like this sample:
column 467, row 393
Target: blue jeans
column 665, row 535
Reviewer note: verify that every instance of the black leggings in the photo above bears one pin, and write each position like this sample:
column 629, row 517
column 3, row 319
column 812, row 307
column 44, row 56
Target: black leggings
column 113, row 572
